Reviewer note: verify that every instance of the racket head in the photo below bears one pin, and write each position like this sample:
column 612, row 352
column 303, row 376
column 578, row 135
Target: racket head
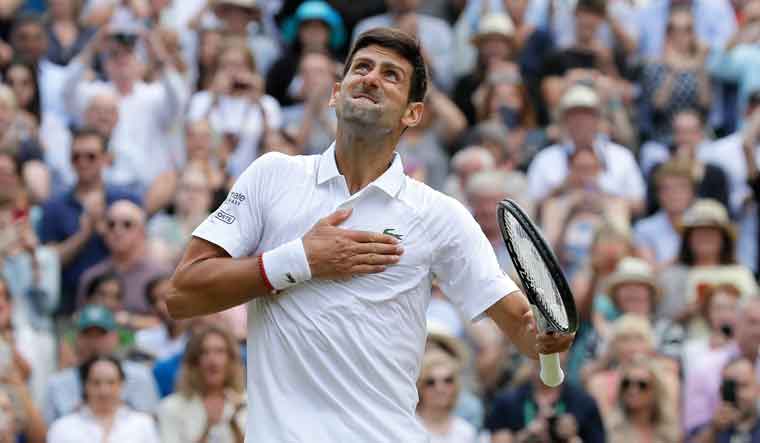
column 528, row 251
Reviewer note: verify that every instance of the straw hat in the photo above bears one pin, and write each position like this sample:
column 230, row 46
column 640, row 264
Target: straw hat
column 246, row 4
column 579, row 96
column 439, row 334
column 494, row 24
column 707, row 213
column 632, row 270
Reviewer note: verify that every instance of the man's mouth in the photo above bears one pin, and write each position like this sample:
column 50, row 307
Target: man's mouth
column 366, row 96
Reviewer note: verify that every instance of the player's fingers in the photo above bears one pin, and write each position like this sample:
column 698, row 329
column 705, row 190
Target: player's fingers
column 370, row 237
column 337, row 217
column 375, row 259
column 549, row 343
column 367, row 269
column 378, row 248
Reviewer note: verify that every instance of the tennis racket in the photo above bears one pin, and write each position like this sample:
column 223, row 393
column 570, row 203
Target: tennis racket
column 543, row 282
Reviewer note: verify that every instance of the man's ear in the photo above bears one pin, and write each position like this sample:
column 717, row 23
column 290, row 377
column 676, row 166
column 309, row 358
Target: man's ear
column 334, row 94
column 413, row 114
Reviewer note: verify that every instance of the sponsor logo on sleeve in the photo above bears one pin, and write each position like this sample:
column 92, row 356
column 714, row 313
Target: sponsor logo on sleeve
column 224, row 217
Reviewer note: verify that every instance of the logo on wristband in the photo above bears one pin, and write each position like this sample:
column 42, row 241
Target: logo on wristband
column 290, row 278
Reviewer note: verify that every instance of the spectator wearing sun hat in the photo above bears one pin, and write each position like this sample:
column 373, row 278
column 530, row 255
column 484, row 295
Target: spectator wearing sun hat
column 580, row 114
column 243, row 18
column 490, row 48
column 632, row 288
column 708, row 245
column 315, row 27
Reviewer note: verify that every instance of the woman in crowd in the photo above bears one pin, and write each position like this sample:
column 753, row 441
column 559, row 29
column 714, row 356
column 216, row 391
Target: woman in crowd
column 103, row 418
column 236, row 106
column 503, row 98
column 66, row 35
column 631, row 337
column 609, row 245
column 210, row 42
column 707, row 251
column 632, row 289
column 718, row 308
column 209, row 404
column 315, row 27
column 192, row 203
column 438, row 386
column 642, row 413
column 679, row 79
column 23, row 81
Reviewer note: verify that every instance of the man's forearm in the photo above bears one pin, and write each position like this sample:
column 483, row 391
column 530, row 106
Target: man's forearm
column 71, row 247
column 214, row 285
column 512, row 314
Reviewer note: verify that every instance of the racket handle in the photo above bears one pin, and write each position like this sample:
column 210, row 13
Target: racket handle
column 551, row 371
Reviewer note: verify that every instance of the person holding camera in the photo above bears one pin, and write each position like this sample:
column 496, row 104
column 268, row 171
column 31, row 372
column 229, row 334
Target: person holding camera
column 142, row 140
column 236, row 106
column 736, row 418
column 535, row 413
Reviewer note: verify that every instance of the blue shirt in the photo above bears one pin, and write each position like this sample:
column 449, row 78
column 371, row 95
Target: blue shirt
column 60, row 220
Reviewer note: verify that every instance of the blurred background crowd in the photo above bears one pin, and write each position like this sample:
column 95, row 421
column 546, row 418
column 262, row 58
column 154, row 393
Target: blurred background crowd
column 629, row 129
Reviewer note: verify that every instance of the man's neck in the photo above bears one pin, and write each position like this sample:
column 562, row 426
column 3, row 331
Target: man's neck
column 87, row 187
column 126, row 261
column 362, row 158
column 124, row 86
column 437, row 417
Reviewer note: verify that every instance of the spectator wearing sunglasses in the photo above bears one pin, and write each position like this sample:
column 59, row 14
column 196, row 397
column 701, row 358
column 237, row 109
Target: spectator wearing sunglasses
column 438, row 387
column 643, row 411
column 71, row 220
column 124, row 234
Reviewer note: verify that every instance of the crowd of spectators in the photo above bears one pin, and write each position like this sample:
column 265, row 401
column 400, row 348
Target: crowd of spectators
column 628, row 129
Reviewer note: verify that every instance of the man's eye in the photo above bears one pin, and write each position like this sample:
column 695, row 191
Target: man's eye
column 361, row 68
column 392, row 75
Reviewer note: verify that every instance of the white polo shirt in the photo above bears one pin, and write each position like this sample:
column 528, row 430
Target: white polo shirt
column 620, row 177
column 337, row 361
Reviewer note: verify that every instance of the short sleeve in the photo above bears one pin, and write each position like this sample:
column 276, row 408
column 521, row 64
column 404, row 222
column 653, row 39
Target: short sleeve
column 237, row 224
column 464, row 260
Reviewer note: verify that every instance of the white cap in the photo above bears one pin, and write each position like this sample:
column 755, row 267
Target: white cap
column 579, row 96
column 494, row 24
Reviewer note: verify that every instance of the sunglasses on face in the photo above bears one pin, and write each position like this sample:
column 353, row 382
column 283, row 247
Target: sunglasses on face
column 124, row 224
column 89, row 156
column 628, row 383
column 431, row 381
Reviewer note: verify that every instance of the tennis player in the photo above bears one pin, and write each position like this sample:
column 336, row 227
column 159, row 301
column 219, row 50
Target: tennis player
column 336, row 254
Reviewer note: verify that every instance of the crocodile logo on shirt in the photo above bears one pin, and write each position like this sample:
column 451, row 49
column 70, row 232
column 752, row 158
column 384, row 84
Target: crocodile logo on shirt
column 290, row 278
column 389, row 231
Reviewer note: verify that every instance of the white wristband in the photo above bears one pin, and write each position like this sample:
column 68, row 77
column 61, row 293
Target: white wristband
column 287, row 265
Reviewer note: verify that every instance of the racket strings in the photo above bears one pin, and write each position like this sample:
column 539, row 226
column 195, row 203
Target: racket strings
column 539, row 278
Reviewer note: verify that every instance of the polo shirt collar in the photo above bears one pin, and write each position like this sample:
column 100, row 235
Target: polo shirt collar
column 389, row 182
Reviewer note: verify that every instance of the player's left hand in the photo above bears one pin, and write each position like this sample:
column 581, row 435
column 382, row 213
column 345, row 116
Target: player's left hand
column 553, row 342
column 548, row 342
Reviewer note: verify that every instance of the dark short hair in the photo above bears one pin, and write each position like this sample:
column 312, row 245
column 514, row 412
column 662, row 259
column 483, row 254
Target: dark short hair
column 87, row 131
column 597, row 7
column 727, row 249
column 84, row 370
column 26, row 18
column 404, row 45
column 106, row 276
column 152, row 285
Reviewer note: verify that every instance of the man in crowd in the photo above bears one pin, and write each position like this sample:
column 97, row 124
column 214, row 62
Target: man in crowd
column 125, row 238
column 580, row 115
column 148, row 112
column 72, row 221
column 736, row 419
